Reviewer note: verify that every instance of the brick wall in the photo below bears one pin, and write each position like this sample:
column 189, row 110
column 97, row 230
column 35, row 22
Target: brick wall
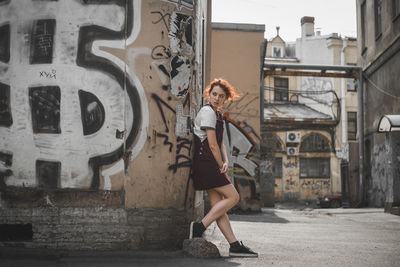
column 97, row 228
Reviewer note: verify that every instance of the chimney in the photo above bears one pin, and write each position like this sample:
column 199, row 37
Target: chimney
column 307, row 27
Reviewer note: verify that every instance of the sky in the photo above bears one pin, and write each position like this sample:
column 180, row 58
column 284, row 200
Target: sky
column 330, row 15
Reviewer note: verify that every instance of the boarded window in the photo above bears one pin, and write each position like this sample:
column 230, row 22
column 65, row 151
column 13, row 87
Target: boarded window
column 315, row 143
column 352, row 125
column 378, row 18
column 277, row 168
column 281, row 87
column 315, row 167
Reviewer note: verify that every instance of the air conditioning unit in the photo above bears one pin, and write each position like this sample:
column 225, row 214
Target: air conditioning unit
column 292, row 151
column 293, row 137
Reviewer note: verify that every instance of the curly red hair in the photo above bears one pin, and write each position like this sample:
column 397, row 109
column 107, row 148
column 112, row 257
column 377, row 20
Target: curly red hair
column 230, row 92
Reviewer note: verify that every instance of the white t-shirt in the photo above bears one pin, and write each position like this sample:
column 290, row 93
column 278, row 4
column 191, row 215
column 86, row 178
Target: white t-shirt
column 206, row 118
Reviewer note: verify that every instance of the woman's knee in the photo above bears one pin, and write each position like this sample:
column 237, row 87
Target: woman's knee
column 236, row 197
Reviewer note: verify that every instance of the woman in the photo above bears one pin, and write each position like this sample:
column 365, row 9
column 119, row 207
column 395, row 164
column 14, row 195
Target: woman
column 211, row 165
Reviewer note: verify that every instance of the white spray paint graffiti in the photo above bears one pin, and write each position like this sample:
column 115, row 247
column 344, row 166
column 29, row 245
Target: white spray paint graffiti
column 66, row 149
column 317, row 84
column 182, row 3
column 238, row 147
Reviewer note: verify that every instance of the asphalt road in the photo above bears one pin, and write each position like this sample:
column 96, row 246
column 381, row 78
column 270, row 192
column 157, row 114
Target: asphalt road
column 282, row 236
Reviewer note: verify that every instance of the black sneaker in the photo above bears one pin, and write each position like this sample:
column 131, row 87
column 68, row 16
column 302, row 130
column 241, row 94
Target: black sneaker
column 241, row 250
column 196, row 230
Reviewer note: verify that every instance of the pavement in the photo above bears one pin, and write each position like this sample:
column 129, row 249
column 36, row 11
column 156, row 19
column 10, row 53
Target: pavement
column 284, row 236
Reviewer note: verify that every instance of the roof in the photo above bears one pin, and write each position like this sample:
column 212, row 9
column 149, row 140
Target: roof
column 238, row 26
column 294, row 112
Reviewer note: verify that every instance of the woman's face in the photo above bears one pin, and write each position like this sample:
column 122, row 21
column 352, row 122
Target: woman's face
column 217, row 97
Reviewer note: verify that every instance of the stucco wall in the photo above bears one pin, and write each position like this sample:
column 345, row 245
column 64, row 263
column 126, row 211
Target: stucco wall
column 291, row 186
column 98, row 98
column 235, row 57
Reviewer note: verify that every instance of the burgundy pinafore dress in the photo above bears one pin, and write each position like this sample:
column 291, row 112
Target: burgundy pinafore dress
column 206, row 173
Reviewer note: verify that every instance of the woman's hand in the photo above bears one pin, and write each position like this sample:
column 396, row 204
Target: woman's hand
column 224, row 167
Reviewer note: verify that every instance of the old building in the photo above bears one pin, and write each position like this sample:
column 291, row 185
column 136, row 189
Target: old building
column 236, row 55
column 378, row 28
column 96, row 103
column 309, row 121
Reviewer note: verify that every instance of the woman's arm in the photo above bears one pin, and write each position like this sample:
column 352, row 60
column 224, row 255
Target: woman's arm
column 224, row 155
column 212, row 141
column 225, row 165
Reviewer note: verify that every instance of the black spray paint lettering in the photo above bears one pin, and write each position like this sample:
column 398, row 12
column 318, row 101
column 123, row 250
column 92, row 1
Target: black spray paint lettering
column 160, row 102
column 187, row 163
column 161, row 52
column 162, row 18
column 166, row 142
column 242, row 104
column 183, row 143
column 49, row 75
column 291, row 164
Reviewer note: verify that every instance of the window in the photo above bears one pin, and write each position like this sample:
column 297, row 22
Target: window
column 277, row 168
column 277, row 51
column 271, row 143
column 363, row 26
column 315, row 167
column 315, row 143
column 352, row 125
column 351, row 85
column 281, row 87
column 396, row 8
column 378, row 18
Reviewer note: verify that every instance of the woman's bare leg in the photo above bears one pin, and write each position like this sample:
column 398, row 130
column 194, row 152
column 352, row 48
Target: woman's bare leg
column 229, row 200
column 223, row 222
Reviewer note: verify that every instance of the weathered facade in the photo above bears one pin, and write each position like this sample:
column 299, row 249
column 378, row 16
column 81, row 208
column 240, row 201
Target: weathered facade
column 313, row 109
column 236, row 56
column 97, row 99
column 378, row 28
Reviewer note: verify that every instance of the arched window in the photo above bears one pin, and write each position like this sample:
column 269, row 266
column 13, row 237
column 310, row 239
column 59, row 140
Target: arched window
column 271, row 143
column 315, row 143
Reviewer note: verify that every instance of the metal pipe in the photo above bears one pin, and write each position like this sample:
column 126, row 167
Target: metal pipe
column 310, row 67
column 360, row 118
column 344, row 145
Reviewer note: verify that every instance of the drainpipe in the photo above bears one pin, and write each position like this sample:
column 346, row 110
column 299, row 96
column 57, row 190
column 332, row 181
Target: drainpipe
column 360, row 119
column 345, row 150
column 263, row 50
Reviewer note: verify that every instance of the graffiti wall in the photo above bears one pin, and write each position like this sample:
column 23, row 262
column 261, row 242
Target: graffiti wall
column 100, row 95
column 311, row 172
column 236, row 56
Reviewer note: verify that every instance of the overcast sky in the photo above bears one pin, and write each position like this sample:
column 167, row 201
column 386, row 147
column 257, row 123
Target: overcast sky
column 330, row 15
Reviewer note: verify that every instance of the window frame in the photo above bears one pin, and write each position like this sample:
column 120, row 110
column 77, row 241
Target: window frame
column 318, row 164
column 378, row 18
column 281, row 91
column 363, row 11
column 280, row 51
column 353, row 120
column 396, row 7
column 280, row 167
column 353, row 82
